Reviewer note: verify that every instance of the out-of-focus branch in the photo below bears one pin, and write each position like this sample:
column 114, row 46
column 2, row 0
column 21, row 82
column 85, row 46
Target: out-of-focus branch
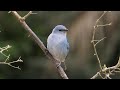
column 2, row 49
column 10, row 63
column 38, row 41
column 105, row 71
column 98, row 41
column 27, row 15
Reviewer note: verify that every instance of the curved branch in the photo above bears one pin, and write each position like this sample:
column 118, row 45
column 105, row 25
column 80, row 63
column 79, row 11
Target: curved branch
column 40, row 43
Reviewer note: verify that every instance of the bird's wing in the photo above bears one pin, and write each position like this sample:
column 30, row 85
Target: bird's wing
column 58, row 47
column 64, row 47
column 68, row 46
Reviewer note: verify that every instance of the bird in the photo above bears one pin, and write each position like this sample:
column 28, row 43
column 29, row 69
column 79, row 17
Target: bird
column 57, row 44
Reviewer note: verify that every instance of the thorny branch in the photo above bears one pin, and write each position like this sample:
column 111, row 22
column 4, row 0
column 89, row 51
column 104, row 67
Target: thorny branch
column 2, row 49
column 38, row 41
column 105, row 71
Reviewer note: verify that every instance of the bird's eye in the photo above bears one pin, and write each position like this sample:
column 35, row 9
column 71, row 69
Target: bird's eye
column 60, row 30
column 63, row 29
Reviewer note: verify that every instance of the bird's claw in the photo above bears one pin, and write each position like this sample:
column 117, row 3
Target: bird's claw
column 58, row 64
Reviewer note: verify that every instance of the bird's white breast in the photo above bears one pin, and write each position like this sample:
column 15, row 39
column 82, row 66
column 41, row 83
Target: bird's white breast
column 56, row 46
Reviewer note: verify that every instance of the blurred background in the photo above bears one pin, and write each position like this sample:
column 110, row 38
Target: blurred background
column 81, row 62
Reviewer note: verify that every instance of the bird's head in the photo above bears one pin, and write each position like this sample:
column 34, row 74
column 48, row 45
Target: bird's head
column 60, row 29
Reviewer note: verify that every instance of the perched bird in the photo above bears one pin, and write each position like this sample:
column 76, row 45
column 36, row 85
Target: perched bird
column 58, row 45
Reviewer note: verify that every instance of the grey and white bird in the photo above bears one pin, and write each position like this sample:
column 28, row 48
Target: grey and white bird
column 57, row 44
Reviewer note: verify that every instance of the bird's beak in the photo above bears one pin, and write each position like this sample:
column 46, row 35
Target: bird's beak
column 65, row 29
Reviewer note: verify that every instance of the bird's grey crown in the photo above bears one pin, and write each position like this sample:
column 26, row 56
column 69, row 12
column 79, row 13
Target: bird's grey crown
column 59, row 28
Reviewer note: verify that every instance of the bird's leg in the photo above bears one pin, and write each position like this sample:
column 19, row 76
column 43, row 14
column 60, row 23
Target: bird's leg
column 58, row 63
column 65, row 67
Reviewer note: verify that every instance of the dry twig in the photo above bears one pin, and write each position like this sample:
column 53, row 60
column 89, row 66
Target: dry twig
column 2, row 49
column 105, row 71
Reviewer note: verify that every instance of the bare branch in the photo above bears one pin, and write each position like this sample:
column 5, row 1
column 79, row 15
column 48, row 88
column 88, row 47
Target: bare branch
column 106, row 71
column 2, row 49
column 7, row 58
column 27, row 15
column 104, row 25
column 10, row 63
column 96, row 75
column 39, row 42
column 118, row 64
column 100, row 18
column 93, row 39
column 99, row 41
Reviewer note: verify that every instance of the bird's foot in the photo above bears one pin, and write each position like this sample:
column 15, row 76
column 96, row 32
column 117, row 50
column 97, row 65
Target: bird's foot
column 58, row 64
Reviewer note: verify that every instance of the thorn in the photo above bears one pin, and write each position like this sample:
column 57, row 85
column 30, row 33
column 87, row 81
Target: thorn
column 110, row 23
column 91, row 41
column 9, row 12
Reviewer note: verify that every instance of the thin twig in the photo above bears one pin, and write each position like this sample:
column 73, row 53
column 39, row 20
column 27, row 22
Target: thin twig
column 27, row 15
column 99, row 41
column 10, row 63
column 100, row 18
column 39, row 42
column 2, row 49
column 106, row 71
column 110, row 70
column 95, row 49
column 104, row 25
column 96, row 75
column 93, row 38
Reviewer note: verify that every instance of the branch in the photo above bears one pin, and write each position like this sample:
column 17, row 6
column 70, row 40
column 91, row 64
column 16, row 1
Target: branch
column 39, row 42
column 27, row 15
column 96, row 75
column 99, row 41
column 2, row 49
column 93, row 39
column 105, row 71
column 104, row 25
column 10, row 63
